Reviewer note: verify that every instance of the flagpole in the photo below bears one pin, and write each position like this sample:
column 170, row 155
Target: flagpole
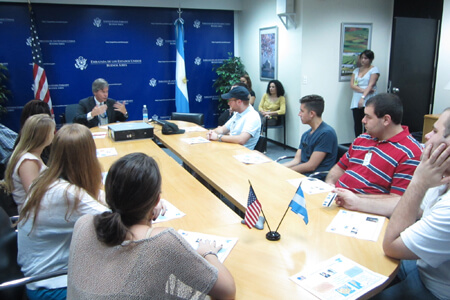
column 286, row 210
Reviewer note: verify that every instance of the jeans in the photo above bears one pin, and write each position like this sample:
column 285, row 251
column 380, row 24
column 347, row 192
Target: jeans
column 410, row 285
column 47, row 294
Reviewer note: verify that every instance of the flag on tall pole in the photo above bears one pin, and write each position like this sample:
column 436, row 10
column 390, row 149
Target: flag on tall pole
column 41, row 90
column 181, row 93
column 298, row 204
column 253, row 209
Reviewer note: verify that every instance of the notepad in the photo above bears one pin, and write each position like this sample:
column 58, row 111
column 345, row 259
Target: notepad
column 171, row 213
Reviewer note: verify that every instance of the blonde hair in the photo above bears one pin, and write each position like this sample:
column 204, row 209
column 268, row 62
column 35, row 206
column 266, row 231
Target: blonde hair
column 34, row 134
column 72, row 158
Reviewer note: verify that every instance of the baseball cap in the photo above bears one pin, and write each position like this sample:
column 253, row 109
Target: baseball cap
column 171, row 128
column 238, row 92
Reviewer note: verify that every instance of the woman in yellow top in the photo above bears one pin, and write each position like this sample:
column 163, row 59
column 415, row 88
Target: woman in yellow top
column 273, row 102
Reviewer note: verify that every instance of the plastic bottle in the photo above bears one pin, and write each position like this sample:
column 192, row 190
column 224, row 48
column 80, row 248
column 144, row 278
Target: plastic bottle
column 145, row 114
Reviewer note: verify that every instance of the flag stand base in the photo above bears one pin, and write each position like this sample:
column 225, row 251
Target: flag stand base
column 273, row 236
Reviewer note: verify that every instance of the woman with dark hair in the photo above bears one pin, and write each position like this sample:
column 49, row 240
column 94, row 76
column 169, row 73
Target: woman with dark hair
column 248, row 84
column 119, row 253
column 364, row 85
column 272, row 103
column 68, row 189
column 34, row 107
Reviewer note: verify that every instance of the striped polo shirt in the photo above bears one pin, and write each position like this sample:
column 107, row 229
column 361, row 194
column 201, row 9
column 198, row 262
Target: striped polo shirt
column 390, row 168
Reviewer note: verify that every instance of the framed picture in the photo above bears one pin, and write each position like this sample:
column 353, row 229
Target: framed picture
column 355, row 38
column 268, row 53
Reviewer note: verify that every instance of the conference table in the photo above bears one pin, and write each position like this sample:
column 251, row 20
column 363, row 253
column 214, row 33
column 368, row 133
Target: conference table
column 261, row 268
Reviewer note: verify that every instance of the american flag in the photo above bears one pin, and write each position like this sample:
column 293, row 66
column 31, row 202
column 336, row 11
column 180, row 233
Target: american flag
column 253, row 209
column 41, row 90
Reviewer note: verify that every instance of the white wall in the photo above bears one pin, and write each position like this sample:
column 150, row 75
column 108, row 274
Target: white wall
column 312, row 50
column 442, row 96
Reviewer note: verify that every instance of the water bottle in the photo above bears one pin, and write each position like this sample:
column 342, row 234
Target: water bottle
column 145, row 114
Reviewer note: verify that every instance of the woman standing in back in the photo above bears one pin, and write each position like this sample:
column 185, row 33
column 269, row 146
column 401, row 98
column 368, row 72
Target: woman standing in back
column 68, row 189
column 364, row 85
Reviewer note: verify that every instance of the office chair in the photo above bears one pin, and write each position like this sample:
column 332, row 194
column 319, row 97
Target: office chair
column 11, row 278
column 69, row 114
column 281, row 123
column 7, row 203
column 261, row 145
column 196, row 118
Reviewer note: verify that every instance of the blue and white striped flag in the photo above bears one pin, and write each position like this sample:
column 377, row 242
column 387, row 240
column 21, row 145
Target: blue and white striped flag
column 181, row 94
column 298, row 204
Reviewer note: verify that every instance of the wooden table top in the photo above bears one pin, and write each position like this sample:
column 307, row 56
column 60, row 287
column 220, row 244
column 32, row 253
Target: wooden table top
column 261, row 268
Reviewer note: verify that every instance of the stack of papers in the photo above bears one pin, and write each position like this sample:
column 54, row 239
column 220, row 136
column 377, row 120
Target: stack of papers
column 338, row 278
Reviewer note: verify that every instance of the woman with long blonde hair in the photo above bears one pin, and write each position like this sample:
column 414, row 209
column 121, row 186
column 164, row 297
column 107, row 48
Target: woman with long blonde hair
column 68, row 189
column 25, row 163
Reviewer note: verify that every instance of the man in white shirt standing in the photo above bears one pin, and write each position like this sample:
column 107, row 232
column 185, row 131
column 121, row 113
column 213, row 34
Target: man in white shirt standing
column 244, row 127
column 424, row 244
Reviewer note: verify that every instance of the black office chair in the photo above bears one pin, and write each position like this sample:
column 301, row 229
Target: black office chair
column 261, row 145
column 11, row 278
column 196, row 118
column 7, row 203
column 69, row 114
column 281, row 123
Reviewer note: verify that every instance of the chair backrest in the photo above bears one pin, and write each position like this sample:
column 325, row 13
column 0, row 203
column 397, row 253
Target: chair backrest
column 196, row 118
column 9, row 269
column 261, row 145
column 341, row 151
column 71, row 112
column 7, row 203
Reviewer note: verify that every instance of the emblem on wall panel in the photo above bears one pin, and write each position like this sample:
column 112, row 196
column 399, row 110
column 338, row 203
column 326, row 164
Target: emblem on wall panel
column 152, row 82
column 197, row 24
column 198, row 61
column 81, row 63
column 159, row 41
column 97, row 22
column 198, row 98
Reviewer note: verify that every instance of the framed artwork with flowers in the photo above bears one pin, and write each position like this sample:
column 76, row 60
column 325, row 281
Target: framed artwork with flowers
column 268, row 53
column 355, row 38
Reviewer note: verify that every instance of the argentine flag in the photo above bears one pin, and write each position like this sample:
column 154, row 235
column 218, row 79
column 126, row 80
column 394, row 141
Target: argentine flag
column 181, row 94
column 298, row 204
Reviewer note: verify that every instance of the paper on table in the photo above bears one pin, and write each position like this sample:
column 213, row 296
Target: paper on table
column 171, row 213
column 195, row 140
column 355, row 224
column 99, row 135
column 194, row 237
column 338, row 278
column 252, row 158
column 103, row 152
column 311, row 185
column 193, row 129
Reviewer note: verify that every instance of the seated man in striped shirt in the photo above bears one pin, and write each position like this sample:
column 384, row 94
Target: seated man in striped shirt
column 375, row 172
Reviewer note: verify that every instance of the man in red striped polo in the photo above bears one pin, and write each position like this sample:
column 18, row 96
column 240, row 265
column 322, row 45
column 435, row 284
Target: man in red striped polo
column 375, row 172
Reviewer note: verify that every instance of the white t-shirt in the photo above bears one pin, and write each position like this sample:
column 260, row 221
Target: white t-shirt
column 429, row 239
column 246, row 121
column 19, row 194
column 46, row 248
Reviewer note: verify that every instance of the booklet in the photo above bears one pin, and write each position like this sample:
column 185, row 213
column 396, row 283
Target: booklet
column 195, row 140
column 171, row 213
column 338, row 278
column 311, row 186
column 356, row 224
column 252, row 158
column 194, row 237
column 103, row 152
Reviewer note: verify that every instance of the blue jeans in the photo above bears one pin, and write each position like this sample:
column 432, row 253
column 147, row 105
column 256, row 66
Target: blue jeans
column 410, row 285
column 47, row 294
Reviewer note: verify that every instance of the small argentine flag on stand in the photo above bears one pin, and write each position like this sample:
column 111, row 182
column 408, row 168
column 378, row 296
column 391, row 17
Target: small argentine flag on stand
column 181, row 94
column 298, row 204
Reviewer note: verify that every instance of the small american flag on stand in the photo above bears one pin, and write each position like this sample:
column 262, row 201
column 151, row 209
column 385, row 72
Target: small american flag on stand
column 41, row 90
column 253, row 209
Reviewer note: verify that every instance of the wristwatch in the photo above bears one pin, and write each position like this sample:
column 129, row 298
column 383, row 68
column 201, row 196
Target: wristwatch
column 364, row 97
column 219, row 137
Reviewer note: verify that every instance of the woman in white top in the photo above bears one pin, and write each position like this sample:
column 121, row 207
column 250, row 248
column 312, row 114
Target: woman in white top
column 364, row 86
column 25, row 163
column 68, row 189
column 121, row 255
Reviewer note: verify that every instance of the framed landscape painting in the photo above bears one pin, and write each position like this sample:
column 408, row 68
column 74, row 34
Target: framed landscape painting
column 268, row 41
column 355, row 38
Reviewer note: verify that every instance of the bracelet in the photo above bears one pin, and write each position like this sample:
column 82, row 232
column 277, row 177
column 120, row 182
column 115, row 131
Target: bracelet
column 208, row 253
